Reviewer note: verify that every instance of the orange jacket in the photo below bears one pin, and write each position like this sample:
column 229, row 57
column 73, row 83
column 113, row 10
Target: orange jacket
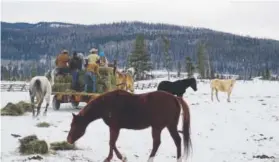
column 62, row 60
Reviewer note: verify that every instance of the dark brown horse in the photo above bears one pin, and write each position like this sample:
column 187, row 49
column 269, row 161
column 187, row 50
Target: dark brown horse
column 122, row 109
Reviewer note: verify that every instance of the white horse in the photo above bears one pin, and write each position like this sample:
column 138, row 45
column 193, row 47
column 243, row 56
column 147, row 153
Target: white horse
column 40, row 88
column 225, row 85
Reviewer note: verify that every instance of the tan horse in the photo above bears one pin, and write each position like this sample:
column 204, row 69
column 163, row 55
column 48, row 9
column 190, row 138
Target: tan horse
column 223, row 86
column 124, row 81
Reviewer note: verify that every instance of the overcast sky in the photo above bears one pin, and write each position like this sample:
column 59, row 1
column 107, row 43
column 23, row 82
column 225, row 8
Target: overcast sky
column 244, row 17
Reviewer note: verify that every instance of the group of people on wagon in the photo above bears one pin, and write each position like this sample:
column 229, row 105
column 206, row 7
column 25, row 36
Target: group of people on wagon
column 66, row 64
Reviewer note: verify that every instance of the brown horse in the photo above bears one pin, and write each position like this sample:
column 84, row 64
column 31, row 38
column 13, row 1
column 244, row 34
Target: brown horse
column 122, row 109
column 124, row 81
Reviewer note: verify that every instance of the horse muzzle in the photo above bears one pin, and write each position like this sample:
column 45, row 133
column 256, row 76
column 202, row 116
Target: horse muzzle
column 69, row 140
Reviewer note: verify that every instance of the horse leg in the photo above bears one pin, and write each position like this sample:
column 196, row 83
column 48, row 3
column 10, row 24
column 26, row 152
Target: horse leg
column 32, row 105
column 216, row 93
column 212, row 90
column 45, row 112
column 119, row 155
column 177, row 140
column 156, row 135
column 229, row 96
column 47, row 103
column 39, row 107
column 114, row 133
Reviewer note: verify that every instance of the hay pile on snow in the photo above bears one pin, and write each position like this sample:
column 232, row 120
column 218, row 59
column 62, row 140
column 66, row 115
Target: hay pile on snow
column 16, row 109
column 32, row 145
column 62, row 146
column 43, row 124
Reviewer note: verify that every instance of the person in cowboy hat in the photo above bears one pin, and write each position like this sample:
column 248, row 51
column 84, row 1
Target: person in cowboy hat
column 90, row 75
column 62, row 61
column 93, row 57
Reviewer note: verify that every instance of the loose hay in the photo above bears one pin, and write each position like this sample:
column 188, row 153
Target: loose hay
column 62, row 146
column 16, row 109
column 43, row 124
column 31, row 145
column 12, row 110
column 26, row 106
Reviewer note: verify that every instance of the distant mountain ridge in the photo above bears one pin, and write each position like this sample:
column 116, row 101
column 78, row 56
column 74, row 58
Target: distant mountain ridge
column 227, row 52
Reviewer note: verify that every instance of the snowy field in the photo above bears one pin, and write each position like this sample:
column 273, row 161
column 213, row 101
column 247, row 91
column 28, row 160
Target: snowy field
column 220, row 131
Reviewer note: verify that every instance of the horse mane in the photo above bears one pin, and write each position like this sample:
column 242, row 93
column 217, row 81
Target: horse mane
column 88, row 106
column 102, row 97
column 187, row 79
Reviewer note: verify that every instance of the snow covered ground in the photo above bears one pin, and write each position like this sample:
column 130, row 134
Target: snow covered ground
column 220, row 131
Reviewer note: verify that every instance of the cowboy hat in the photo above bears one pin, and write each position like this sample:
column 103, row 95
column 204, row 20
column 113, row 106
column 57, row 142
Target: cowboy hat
column 93, row 50
column 65, row 51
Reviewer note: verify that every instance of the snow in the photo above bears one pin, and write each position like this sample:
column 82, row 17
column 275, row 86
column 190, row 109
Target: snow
column 220, row 131
column 59, row 25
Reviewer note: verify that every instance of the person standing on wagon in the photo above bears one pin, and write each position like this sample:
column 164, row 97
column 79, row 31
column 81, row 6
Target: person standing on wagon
column 103, row 59
column 93, row 57
column 75, row 66
column 62, row 62
column 90, row 75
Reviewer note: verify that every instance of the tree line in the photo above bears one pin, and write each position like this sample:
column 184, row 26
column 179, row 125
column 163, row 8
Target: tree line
column 169, row 47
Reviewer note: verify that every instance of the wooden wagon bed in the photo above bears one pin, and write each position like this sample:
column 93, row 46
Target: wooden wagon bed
column 71, row 97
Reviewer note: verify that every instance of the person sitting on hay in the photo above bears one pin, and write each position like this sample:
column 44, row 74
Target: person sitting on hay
column 61, row 62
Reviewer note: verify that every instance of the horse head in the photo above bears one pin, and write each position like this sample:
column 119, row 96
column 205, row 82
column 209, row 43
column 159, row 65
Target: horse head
column 194, row 84
column 78, row 127
column 233, row 82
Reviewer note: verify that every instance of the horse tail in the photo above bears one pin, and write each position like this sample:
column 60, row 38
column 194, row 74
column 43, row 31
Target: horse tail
column 186, row 126
column 38, row 90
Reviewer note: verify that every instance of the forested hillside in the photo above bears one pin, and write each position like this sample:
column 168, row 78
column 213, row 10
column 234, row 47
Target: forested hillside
column 226, row 52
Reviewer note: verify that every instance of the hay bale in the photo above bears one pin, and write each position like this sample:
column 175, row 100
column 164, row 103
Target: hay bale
column 106, row 71
column 43, row 124
column 31, row 145
column 61, row 87
column 106, row 81
column 63, row 79
column 28, row 139
column 26, row 106
column 12, row 110
column 62, row 146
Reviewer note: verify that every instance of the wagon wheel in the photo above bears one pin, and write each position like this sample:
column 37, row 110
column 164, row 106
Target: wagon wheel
column 55, row 103
column 75, row 104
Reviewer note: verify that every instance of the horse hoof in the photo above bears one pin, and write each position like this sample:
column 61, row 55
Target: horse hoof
column 124, row 158
column 179, row 160
column 106, row 160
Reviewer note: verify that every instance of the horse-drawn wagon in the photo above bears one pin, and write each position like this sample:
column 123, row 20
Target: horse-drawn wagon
column 63, row 91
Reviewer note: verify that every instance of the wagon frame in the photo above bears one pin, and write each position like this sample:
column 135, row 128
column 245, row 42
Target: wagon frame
column 72, row 97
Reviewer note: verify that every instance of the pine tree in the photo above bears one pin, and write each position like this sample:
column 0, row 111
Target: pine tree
column 33, row 71
column 167, row 59
column 189, row 67
column 178, row 69
column 267, row 74
column 201, row 67
column 140, row 59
